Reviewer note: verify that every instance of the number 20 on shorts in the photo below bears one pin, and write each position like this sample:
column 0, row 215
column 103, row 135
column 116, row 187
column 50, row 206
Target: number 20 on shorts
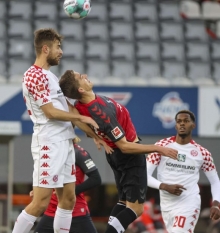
column 179, row 221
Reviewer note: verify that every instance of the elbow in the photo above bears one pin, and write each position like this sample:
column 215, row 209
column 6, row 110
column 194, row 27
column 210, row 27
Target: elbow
column 98, row 181
column 124, row 149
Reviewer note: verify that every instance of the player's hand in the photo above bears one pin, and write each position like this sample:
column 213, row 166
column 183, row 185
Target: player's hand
column 89, row 120
column 100, row 142
column 175, row 189
column 214, row 212
column 169, row 152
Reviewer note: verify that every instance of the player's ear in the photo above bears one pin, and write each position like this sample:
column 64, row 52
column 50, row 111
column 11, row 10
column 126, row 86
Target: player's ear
column 45, row 49
column 80, row 90
column 194, row 125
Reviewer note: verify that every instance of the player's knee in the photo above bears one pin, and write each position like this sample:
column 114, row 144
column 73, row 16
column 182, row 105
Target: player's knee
column 138, row 209
column 67, row 201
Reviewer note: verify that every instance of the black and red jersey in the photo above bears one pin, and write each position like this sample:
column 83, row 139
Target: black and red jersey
column 84, row 165
column 113, row 119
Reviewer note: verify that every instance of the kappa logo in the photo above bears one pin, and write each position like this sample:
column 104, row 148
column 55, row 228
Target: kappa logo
column 45, row 156
column 40, row 88
column 116, row 132
column 44, row 173
column 44, row 182
column 45, row 148
column 181, row 157
column 45, row 165
column 45, row 100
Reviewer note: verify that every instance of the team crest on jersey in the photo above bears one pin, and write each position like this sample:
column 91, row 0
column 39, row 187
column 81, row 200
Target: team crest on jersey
column 194, row 153
column 40, row 88
column 116, row 132
column 181, row 157
column 55, row 178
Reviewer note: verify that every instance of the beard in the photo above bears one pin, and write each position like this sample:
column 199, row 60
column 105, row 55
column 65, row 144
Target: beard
column 52, row 61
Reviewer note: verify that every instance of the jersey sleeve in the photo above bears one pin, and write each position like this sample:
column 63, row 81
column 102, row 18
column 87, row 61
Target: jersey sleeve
column 37, row 85
column 84, row 160
column 208, row 163
column 154, row 158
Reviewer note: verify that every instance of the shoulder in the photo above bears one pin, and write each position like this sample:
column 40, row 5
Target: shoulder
column 34, row 74
column 165, row 141
column 203, row 150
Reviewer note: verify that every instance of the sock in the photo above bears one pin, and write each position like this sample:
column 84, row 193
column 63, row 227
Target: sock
column 62, row 220
column 116, row 210
column 121, row 221
column 24, row 223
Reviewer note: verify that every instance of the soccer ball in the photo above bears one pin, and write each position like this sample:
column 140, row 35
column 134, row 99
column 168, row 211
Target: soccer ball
column 77, row 9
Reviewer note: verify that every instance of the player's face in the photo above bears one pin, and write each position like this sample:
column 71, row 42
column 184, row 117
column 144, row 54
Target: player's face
column 83, row 80
column 184, row 125
column 55, row 54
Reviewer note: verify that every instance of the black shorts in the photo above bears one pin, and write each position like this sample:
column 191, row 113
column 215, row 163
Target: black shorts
column 81, row 224
column 130, row 175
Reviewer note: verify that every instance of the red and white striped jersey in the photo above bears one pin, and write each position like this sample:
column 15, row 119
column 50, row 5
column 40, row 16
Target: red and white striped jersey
column 192, row 158
column 39, row 88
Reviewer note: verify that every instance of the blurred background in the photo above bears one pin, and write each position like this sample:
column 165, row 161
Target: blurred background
column 156, row 57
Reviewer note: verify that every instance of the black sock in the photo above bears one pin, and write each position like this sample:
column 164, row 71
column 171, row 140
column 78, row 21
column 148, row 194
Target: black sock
column 117, row 209
column 121, row 221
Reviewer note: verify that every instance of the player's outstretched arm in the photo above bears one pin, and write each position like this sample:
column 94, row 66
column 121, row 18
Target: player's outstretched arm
column 54, row 113
column 135, row 148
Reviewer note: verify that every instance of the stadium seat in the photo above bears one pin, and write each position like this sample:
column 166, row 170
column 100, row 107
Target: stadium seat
column 18, row 66
column 3, row 9
column 45, row 10
column 72, row 49
column 215, row 50
column 97, row 69
column 71, row 64
column 147, row 50
column 20, row 9
column 203, row 81
column 169, row 10
column 173, row 69
column 158, row 81
column 71, row 30
column 120, row 11
column 16, row 78
column 97, row 50
column 198, row 69
column 113, row 81
column 190, row 9
column 148, row 69
column 42, row 23
column 195, row 30
column 98, row 12
column 123, row 50
column 216, row 72
column 171, row 31
column 96, row 30
column 121, row 31
column 136, row 81
column 181, row 82
column 210, row 10
column 3, row 79
column 2, row 67
column 2, row 30
column 197, row 51
column 3, row 49
column 122, row 69
column 20, row 48
column 173, row 51
column 146, row 31
column 19, row 28
column 218, row 29
column 145, row 11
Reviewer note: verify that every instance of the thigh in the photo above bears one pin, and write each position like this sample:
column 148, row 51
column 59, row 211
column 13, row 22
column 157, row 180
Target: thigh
column 82, row 224
column 50, row 164
column 181, row 220
column 45, row 225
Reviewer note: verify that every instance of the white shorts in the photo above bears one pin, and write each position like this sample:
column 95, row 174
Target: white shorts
column 54, row 164
column 181, row 220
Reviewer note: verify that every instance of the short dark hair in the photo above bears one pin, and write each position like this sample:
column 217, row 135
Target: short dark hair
column 69, row 85
column 45, row 36
column 191, row 114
